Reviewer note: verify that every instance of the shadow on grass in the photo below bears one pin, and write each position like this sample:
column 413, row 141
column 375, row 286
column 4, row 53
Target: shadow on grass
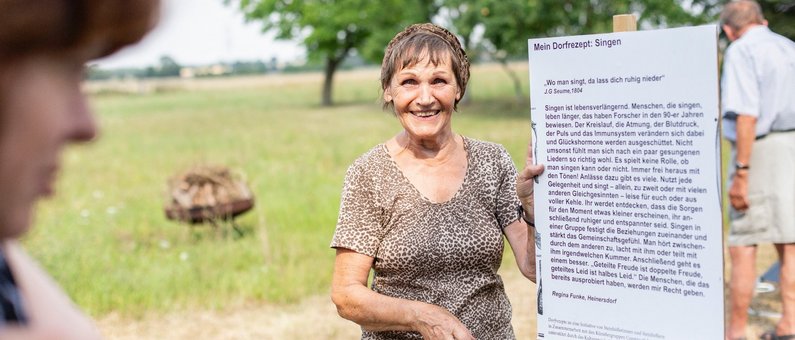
column 220, row 230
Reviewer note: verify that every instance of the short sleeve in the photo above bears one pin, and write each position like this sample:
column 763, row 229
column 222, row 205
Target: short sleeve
column 507, row 201
column 358, row 225
column 740, row 88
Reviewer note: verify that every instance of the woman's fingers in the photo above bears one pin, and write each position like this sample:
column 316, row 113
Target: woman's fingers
column 524, row 182
column 526, row 177
column 529, row 157
column 440, row 324
column 532, row 171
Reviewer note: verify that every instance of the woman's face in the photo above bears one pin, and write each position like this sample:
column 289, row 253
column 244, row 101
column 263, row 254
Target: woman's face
column 41, row 110
column 424, row 96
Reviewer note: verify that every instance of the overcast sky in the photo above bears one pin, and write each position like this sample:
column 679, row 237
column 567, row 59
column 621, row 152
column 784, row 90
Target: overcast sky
column 197, row 32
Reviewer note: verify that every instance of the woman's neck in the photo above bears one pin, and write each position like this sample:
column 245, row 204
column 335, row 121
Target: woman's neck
column 434, row 151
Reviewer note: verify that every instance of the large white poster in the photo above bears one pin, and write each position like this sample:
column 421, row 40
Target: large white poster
column 628, row 210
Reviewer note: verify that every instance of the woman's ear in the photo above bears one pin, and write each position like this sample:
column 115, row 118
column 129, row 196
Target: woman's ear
column 387, row 96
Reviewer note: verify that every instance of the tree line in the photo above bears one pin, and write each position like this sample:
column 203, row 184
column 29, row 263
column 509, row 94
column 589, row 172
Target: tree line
column 331, row 30
column 168, row 67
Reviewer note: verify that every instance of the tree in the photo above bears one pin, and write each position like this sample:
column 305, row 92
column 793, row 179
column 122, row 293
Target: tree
column 168, row 67
column 332, row 29
column 781, row 16
column 507, row 24
column 410, row 12
column 498, row 28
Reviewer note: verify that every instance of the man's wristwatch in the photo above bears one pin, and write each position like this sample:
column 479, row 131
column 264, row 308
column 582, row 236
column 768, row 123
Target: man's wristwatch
column 530, row 224
column 741, row 166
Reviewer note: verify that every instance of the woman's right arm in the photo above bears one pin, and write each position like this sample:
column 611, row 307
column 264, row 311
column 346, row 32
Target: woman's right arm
column 377, row 312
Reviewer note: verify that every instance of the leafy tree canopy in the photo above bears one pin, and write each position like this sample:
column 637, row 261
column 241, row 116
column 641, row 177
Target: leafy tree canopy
column 332, row 29
column 781, row 16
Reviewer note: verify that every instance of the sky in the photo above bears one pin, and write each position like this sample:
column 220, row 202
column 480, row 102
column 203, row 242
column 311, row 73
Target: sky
column 200, row 32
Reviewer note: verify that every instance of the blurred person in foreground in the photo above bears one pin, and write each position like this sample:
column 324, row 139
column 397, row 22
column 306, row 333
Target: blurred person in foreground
column 427, row 210
column 758, row 101
column 44, row 45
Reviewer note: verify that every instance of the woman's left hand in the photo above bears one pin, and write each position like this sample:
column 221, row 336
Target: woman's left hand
column 524, row 182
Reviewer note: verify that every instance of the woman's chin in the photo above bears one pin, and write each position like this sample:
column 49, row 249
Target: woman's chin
column 429, row 133
column 15, row 224
column 428, row 127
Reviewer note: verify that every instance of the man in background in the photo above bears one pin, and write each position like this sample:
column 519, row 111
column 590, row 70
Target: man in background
column 758, row 103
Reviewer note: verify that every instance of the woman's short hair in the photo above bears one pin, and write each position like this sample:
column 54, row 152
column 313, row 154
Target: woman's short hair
column 96, row 27
column 740, row 13
column 409, row 46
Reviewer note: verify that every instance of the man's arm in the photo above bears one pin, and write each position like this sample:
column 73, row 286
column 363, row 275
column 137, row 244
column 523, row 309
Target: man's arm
column 746, row 135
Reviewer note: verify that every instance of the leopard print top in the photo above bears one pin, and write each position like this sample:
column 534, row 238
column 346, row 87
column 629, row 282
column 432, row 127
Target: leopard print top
column 446, row 253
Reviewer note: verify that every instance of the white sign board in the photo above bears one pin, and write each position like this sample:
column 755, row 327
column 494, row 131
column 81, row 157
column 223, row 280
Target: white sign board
column 628, row 210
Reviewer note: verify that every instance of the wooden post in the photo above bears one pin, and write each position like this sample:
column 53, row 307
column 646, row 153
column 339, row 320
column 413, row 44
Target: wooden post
column 624, row 23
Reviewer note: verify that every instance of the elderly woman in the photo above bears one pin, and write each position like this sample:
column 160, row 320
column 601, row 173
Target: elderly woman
column 427, row 210
column 43, row 47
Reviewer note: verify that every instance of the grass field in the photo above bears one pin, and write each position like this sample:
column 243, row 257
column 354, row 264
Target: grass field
column 104, row 236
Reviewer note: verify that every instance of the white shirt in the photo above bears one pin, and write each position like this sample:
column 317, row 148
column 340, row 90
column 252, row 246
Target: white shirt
column 759, row 81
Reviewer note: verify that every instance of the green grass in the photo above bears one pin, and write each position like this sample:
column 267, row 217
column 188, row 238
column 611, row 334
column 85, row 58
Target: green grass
column 104, row 236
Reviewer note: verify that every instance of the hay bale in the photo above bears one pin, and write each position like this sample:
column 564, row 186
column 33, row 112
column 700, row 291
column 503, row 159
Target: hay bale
column 207, row 192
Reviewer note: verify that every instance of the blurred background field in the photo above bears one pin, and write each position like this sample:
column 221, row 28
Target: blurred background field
column 105, row 238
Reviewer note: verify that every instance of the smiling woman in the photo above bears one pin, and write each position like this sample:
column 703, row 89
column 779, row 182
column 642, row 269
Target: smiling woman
column 427, row 210
column 43, row 47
